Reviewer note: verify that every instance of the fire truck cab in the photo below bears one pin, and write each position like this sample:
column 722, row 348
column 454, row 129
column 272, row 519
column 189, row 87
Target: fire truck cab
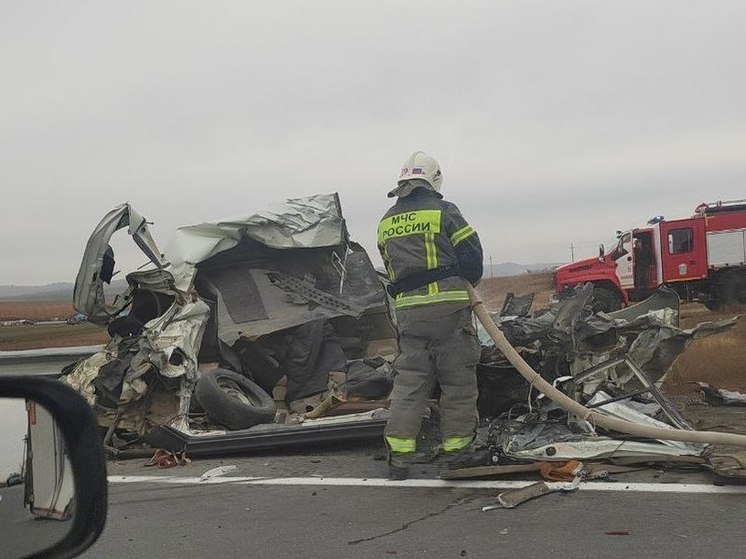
column 702, row 258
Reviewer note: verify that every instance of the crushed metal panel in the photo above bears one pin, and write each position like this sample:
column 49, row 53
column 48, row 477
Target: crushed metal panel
column 281, row 300
column 622, row 411
column 312, row 221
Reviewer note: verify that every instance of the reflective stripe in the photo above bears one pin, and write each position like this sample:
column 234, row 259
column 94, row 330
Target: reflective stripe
column 452, row 444
column 389, row 267
column 455, row 295
column 431, row 261
column 397, row 444
column 462, row 234
column 431, row 252
column 409, row 223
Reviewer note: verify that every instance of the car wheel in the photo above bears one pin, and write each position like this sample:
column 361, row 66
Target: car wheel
column 234, row 401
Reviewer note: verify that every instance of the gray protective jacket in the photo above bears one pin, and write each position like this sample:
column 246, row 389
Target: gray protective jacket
column 429, row 250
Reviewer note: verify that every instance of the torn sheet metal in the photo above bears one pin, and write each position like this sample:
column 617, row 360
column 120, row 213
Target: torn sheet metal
column 599, row 448
column 309, row 222
column 516, row 305
column 664, row 299
column 617, row 372
column 169, row 344
column 171, row 341
column 87, row 370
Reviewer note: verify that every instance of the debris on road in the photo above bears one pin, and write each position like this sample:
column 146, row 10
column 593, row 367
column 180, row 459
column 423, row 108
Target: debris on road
column 218, row 472
column 608, row 366
column 721, row 397
column 165, row 459
column 514, row 497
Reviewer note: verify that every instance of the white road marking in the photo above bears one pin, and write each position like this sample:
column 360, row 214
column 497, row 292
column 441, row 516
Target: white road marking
column 433, row 483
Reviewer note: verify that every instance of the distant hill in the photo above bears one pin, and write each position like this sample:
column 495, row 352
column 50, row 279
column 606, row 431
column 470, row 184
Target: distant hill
column 504, row 269
column 59, row 291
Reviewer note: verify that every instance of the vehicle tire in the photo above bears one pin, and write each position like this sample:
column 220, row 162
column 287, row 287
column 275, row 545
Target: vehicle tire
column 734, row 290
column 605, row 300
column 232, row 400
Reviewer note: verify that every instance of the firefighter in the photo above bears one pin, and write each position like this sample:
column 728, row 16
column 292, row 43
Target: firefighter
column 430, row 252
column 643, row 258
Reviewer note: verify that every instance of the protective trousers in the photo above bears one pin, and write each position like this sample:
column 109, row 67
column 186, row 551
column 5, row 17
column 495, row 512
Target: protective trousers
column 434, row 349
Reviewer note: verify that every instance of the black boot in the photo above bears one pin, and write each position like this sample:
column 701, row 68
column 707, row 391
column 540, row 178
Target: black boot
column 399, row 465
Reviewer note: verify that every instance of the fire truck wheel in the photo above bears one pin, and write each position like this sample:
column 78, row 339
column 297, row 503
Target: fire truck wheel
column 606, row 300
column 734, row 289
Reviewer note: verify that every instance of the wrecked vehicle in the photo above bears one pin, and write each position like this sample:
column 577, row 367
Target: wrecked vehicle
column 240, row 328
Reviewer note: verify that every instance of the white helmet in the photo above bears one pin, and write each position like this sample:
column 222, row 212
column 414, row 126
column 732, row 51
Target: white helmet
column 421, row 166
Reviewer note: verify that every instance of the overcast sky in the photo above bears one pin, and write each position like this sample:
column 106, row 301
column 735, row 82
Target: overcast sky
column 554, row 121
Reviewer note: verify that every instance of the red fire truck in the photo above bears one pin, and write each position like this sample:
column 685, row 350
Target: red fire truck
column 702, row 257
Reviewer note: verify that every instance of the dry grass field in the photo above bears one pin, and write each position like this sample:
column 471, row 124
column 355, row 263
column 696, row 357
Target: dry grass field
column 36, row 336
column 493, row 290
column 35, row 310
column 718, row 359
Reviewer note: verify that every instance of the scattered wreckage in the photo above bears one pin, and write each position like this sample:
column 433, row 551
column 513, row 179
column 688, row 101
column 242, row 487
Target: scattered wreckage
column 605, row 370
column 272, row 330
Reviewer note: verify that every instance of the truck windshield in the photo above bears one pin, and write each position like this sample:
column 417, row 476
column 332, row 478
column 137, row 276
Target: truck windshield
column 618, row 249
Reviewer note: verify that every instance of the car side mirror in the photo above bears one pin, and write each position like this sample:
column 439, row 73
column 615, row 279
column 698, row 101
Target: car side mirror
column 53, row 493
column 601, row 252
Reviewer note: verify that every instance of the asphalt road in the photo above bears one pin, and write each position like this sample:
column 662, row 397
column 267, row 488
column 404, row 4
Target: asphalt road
column 21, row 533
column 308, row 513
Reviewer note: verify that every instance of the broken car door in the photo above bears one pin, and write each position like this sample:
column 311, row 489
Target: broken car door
column 97, row 266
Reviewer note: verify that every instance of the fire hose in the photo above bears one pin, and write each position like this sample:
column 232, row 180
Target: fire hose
column 593, row 417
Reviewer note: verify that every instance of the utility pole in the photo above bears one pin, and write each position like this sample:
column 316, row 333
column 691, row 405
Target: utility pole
column 572, row 252
column 492, row 275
